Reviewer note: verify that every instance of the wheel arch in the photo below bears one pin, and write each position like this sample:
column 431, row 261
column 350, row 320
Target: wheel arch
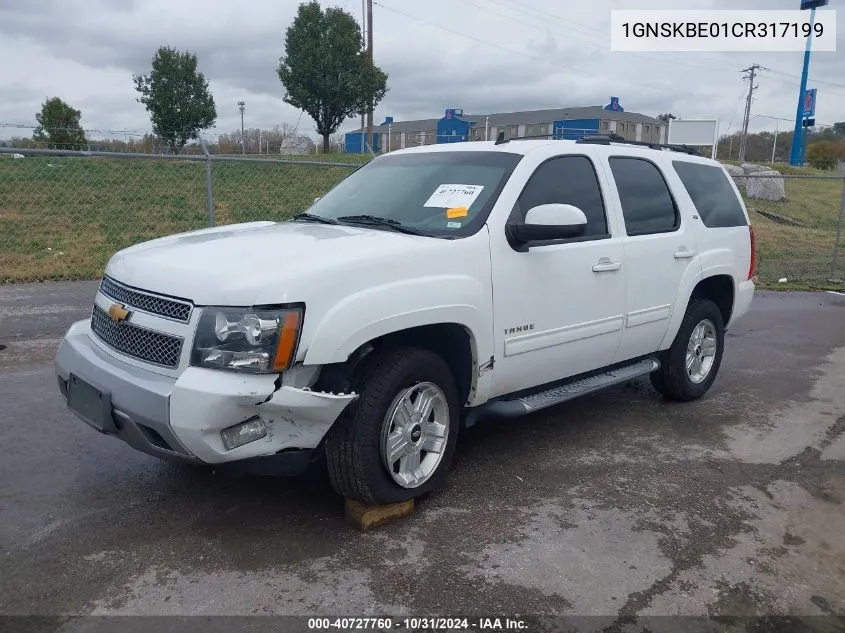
column 720, row 289
column 718, row 286
column 454, row 342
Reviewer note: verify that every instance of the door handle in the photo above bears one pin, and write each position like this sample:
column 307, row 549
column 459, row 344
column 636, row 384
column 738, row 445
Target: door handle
column 684, row 254
column 605, row 265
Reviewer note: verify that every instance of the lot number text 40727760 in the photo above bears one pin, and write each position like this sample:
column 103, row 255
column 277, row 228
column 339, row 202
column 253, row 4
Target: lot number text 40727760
column 418, row 624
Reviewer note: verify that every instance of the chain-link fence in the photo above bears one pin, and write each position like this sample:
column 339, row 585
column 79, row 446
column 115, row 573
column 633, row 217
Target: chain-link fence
column 281, row 141
column 64, row 213
column 800, row 226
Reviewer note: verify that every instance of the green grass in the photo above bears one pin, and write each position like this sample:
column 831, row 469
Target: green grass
column 799, row 253
column 62, row 218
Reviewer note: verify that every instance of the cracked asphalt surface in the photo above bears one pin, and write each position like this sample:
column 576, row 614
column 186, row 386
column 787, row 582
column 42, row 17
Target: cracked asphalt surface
column 618, row 505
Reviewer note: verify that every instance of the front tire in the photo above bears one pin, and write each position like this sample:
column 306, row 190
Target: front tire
column 691, row 364
column 397, row 440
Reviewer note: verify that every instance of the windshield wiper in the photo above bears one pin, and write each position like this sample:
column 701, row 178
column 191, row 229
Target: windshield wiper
column 310, row 217
column 374, row 220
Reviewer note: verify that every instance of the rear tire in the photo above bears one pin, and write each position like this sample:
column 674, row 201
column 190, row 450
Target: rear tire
column 691, row 364
column 376, row 451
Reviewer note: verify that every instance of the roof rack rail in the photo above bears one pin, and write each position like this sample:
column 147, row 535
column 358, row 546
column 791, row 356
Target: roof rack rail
column 607, row 139
column 604, row 139
column 501, row 138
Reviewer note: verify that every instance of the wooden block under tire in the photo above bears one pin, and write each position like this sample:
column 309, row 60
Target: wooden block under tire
column 365, row 517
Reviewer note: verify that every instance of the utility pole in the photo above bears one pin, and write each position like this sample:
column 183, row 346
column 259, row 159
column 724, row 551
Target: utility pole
column 370, row 54
column 775, row 144
column 752, row 71
column 363, row 46
column 242, row 107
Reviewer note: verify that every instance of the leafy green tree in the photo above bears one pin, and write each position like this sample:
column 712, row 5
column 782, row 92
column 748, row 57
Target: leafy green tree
column 58, row 125
column 822, row 154
column 177, row 97
column 324, row 70
column 666, row 117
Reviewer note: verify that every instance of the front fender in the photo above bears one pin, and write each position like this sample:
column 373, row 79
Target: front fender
column 380, row 310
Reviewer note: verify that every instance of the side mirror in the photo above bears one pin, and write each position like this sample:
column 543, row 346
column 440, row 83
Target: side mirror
column 548, row 222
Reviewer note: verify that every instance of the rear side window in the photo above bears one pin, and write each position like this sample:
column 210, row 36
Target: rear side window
column 647, row 205
column 712, row 194
column 567, row 180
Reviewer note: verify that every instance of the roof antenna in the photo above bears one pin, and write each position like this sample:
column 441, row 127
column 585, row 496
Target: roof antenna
column 501, row 138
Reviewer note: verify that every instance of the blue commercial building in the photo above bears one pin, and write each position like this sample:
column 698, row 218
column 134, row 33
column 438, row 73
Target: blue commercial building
column 560, row 123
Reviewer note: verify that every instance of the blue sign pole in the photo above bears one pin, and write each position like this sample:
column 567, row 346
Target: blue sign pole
column 795, row 157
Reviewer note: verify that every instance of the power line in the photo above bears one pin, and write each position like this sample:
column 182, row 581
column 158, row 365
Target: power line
column 736, row 109
column 778, row 118
column 601, row 36
column 555, row 16
column 546, row 28
column 529, row 56
column 815, row 81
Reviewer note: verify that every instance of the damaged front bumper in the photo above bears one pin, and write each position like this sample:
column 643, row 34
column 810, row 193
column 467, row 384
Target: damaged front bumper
column 181, row 419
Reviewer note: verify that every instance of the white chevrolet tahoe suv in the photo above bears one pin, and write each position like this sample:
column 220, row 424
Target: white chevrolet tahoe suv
column 431, row 288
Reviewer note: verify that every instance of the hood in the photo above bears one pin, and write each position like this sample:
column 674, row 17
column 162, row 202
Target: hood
column 232, row 265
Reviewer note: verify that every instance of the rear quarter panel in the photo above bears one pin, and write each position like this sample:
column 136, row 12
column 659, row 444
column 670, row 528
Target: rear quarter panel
column 721, row 250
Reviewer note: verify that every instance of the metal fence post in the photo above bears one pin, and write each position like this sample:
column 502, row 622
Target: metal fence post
column 838, row 233
column 209, row 191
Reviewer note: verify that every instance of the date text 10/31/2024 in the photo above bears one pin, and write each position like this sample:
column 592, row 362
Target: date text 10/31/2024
column 418, row 624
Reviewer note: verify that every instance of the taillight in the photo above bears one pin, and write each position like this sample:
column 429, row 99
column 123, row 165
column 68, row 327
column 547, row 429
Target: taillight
column 753, row 251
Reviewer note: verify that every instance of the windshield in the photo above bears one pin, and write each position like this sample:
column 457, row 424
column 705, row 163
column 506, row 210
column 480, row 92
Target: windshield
column 437, row 193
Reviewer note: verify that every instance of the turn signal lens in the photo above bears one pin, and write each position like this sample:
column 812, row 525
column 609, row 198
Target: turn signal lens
column 288, row 337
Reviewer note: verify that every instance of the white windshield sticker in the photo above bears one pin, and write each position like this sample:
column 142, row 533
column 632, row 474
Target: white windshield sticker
column 451, row 196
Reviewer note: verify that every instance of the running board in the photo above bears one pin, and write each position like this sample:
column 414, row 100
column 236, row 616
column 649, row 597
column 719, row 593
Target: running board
column 556, row 395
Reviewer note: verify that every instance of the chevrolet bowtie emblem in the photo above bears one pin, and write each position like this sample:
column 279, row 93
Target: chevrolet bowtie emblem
column 118, row 313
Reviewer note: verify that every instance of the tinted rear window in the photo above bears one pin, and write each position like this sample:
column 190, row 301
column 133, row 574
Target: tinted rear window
column 712, row 194
column 647, row 204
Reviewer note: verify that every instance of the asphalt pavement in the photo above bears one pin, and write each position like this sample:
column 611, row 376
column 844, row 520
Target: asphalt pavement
column 618, row 505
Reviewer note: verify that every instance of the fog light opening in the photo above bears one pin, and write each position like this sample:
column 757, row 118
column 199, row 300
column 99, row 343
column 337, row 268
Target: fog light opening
column 247, row 431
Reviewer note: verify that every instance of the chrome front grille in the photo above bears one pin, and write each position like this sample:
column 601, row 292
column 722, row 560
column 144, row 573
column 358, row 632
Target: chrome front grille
column 147, row 302
column 138, row 342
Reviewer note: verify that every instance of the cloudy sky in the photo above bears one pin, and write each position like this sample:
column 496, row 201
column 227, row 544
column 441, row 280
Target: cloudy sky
column 479, row 55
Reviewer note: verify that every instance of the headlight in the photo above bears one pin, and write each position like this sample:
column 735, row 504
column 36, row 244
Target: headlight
column 245, row 339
